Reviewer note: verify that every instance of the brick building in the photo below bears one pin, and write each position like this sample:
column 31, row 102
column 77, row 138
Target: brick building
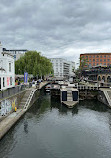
column 100, row 74
column 95, row 59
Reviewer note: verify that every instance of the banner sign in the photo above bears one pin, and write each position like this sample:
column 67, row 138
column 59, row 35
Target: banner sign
column 25, row 77
column 8, row 81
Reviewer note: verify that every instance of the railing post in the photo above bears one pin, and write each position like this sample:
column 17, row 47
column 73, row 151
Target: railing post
column 2, row 94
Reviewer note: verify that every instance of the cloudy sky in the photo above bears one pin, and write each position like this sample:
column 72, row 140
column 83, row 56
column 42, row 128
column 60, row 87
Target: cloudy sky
column 57, row 28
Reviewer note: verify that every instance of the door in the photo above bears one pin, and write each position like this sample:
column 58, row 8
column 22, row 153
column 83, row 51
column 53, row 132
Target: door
column 75, row 95
column 64, row 95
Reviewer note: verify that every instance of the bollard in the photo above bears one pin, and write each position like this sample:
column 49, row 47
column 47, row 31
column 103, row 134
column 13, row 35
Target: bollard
column 15, row 108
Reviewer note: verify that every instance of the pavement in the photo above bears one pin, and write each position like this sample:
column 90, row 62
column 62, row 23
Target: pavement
column 9, row 121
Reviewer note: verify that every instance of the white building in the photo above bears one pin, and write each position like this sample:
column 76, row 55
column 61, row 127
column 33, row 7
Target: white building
column 62, row 68
column 17, row 53
column 7, row 70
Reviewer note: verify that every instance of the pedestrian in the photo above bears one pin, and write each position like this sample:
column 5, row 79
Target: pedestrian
column 18, row 82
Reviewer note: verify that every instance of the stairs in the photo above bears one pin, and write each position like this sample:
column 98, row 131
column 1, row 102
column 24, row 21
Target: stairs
column 108, row 96
column 27, row 98
column 107, row 93
column 69, row 95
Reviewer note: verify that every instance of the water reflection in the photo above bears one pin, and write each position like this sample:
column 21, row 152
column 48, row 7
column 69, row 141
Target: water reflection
column 93, row 105
column 88, row 104
column 26, row 126
column 49, row 129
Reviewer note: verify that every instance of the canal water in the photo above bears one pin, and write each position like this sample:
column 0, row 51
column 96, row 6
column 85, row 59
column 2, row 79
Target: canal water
column 50, row 130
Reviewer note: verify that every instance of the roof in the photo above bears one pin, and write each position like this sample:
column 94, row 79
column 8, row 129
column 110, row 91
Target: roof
column 65, row 88
column 7, row 54
column 96, row 54
column 14, row 49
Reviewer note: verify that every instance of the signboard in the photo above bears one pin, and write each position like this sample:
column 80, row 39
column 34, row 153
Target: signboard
column 6, row 107
column 25, row 77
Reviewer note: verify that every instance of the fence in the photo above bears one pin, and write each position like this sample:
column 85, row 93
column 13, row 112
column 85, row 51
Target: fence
column 14, row 90
column 100, row 83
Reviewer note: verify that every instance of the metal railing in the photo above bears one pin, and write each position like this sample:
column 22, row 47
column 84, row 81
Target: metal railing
column 14, row 90
column 29, row 99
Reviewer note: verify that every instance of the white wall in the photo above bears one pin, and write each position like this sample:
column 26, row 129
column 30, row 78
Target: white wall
column 60, row 65
column 5, row 59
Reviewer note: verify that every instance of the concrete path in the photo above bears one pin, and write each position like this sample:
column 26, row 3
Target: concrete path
column 9, row 121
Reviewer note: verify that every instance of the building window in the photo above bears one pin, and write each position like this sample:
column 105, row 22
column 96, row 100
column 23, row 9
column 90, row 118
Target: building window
column 3, row 81
column 89, row 65
column 90, row 60
column 104, row 63
column 94, row 56
column 101, row 56
column 97, row 56
column 9, row 67
column 104, row 59
column 104, row 56
column 89, row 56
column 100, row 59
column 10, row 80
column 108, row 60
column 97, row 63
column 93, row 64
column 97, row 60
column 93, row 59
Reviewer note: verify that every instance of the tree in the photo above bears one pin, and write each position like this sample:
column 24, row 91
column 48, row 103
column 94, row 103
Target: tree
column 82, row 66
column 33, row 63
column 83, row 63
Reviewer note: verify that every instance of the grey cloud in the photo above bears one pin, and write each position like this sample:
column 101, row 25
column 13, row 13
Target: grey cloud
column 55, row 27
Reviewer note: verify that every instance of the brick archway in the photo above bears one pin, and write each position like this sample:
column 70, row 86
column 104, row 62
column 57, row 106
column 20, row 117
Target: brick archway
column 99, row 78
column 108, row 78
column 104, row 78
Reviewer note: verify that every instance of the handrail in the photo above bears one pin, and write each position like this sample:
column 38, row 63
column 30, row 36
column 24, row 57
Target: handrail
column 29, row 99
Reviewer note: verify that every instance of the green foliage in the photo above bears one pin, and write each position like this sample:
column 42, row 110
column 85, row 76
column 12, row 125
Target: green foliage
column 83, row 63
column 33, row 63
column 82, row 66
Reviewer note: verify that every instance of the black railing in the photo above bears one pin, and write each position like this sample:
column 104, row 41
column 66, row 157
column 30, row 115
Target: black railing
column 14, row 90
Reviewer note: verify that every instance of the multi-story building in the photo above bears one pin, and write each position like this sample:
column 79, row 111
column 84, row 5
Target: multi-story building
column 17, row 53
column 95, row 59
column 7, row 70
column 100, row 74
column 62, row 68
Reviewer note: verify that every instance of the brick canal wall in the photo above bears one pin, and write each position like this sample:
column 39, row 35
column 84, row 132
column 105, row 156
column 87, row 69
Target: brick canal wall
column 15, row 98
column 101, row 97
column 14, row 101
column 88, row 94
